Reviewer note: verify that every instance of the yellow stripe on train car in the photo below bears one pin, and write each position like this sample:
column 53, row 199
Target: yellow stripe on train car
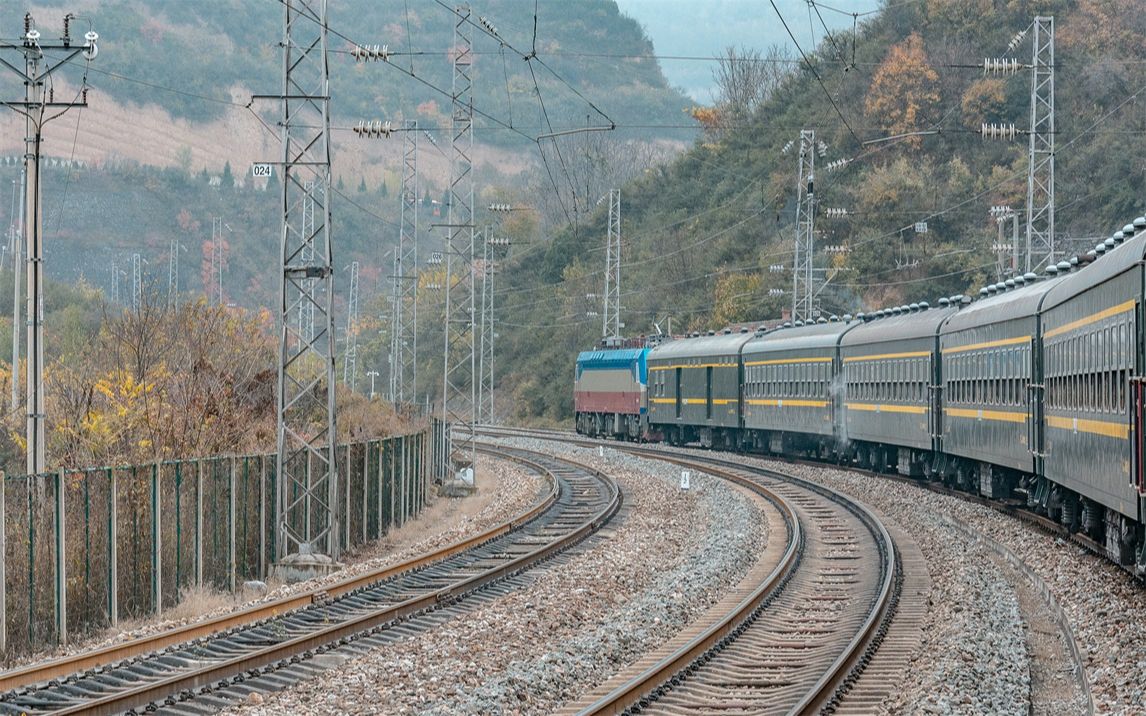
column 1094, row 427
column 883, row 408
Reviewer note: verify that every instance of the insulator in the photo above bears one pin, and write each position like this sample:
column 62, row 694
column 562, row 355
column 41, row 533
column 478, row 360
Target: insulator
column 998, row 131
column 363, row 53
column 68, row 28
column 832, row 166
column 835, row 213
column 372, row 129
column 823, row 148
column 1016, row 40
column 486, row 24
column 1000, row 66
column 787, row 147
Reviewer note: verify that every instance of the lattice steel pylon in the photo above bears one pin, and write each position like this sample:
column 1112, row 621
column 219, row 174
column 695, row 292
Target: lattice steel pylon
column 350, row 354
column 306, row 309
column 216, row 261
column 305, row 460
column 459, row 384
column 803, row 270
column 611, row 313
column 173, row 273
column 404, row 304
column 1040, row 161
column 493, row 250
column 136, row 283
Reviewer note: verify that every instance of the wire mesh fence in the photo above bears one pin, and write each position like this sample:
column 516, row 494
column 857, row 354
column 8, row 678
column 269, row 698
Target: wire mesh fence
column 83, row 549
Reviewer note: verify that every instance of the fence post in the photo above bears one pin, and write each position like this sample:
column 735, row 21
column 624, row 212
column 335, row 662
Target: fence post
column 262, row 517
column 365, row 489
column 199, row 523
column 382, row 490
column 112, row 548
column 3, row 563
column 61, row 564
column 346, row 491
column 156, row 542
column 232, row 562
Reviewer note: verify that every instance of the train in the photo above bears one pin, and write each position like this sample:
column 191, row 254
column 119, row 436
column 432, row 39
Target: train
column 1030, row 392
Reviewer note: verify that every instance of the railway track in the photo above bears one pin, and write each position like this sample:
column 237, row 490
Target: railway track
column 800, row 639
column 205, row 666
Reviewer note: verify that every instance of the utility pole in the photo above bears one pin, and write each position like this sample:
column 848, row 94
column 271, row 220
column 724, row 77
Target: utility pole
column 115, row 283
column 1001, row 215
column 17, row 317
column 459, row 379
column 41, row 61
column 305, row 456
column 1040, row 160
column 373, row 374
column 136, row 283
column 350, row 354
column 804, row 306
column 611, row 313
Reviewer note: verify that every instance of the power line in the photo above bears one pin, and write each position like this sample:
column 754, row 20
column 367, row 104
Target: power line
column 814, row 73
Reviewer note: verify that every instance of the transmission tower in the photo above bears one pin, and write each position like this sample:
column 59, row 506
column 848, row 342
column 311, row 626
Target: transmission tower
column 116, row 298
column 459, row 382
column 803, row 272
column 611, row 313
column 173, row 274
column 217, row 259
column 42, row 60
column 136, row 283
column 493, row 248
column 1040, row 162
column 305, row 460
column 306, row 308
column 350, row 355
column 404, row 366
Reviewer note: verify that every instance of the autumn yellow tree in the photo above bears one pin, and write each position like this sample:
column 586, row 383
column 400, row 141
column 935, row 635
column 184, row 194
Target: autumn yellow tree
column 904, row 91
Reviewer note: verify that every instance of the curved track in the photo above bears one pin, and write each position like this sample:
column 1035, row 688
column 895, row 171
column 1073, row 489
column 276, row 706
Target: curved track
column 800, row 640
column 582, row 501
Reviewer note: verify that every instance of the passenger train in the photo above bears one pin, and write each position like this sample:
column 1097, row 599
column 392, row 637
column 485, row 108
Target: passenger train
column 1032, row 390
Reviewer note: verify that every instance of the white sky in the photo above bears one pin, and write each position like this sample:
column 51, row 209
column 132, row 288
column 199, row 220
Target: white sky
column 706, row 27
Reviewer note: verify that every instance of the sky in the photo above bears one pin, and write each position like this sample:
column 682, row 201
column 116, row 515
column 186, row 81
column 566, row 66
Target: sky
column 704, row 28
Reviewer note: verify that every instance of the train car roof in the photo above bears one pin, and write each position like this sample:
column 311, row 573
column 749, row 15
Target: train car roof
column 1021, row 302
column 700, row 346
column 816, row 335
column 920, row 324
column 618, row 357
column 1113, row 262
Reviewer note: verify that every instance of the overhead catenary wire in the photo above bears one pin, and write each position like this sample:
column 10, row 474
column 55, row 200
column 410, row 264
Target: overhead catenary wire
column 815, row 74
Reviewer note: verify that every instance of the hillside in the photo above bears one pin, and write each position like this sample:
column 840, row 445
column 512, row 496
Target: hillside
column 703, row 233
column 168, row 115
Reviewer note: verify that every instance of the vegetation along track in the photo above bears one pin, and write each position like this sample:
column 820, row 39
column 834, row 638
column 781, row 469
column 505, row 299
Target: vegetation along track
column 266, row 647
column 800, row 638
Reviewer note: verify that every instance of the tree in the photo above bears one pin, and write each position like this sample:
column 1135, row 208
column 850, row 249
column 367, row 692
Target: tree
column 745, row 78
column 903, row 92
column 362, row 186
column 228, row 178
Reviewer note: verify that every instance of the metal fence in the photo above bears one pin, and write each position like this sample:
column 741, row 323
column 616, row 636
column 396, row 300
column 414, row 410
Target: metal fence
column 83, row 549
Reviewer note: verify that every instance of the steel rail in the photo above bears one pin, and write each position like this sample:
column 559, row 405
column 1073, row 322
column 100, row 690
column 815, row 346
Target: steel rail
column 84, row 661
column 828, row 687
column 330, row 637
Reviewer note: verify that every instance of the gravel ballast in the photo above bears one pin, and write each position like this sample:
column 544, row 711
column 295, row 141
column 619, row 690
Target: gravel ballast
column 668, row 557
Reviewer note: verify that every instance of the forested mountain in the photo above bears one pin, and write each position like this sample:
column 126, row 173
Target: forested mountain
column 709, row 238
